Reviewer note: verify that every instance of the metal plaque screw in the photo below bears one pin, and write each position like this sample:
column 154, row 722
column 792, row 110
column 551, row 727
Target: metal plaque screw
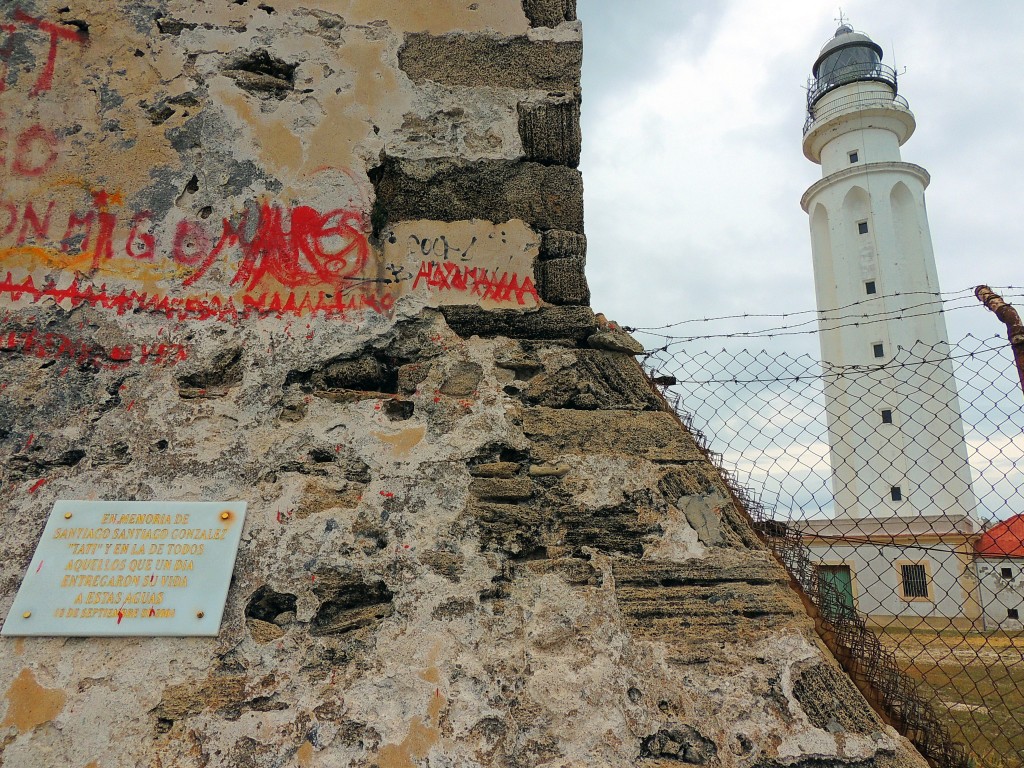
column 225, row 515
column 67, row 515
column 200, row 614
column 27, row 615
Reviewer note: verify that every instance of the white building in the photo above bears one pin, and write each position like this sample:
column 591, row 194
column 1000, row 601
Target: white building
column 1000, row 565
column 900, row 548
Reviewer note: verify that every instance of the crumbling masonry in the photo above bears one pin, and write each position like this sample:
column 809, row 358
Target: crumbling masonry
column 326, row 257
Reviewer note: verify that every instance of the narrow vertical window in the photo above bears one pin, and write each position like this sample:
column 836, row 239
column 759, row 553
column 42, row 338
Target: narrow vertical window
column 1006, row 573
column 886, row 416
column 870, row 288
column 862, row 227
column 854, row 157
column 1013, row 613
column 896, row 493
column 878, row 349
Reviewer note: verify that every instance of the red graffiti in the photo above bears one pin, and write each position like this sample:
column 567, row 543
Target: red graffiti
column 37, row 485
column 447, row 276
column 57, row 32
column 295, row 246
column 37, row 227
column 284, row 517
column 140, row 232
column 197, row 307
column 57, row 346
column 192, row 247
column 34, row 151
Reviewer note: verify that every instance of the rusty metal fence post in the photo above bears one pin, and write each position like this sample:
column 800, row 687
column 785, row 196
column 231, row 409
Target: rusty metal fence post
column 1014, row 328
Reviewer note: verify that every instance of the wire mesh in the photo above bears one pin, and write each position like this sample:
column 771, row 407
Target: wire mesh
column 894, row 495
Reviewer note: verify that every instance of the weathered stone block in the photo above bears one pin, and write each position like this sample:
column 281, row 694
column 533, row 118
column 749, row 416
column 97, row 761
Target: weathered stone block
column 365, row 373
column 545, row 197
column 348, row 603
column 218, row 692
column 362, row 373
column 549, row 470
column 574, row 323
column 266, row 604
column 616, row 340
column 504, row 469
column 514, row 358
column 462, row 380
column 651, row 435
column 495, row 62
column 681, row 744
column 831, row 701
column 699, row 606
column 549, row 13
column 502, row 489
column 595, row 380
column 550, row 132
column 222, row 370
column 447, row 564
column 516, row 529
column 319, row 497
column 260, row 72
column 563, row 281
column 561, row 244
column 696, row 480
column 411, row 376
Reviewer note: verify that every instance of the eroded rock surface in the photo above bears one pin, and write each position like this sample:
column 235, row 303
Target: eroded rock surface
column 327, row 258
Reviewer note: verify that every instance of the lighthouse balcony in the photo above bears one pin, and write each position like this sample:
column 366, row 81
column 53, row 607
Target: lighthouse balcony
column 861, row 99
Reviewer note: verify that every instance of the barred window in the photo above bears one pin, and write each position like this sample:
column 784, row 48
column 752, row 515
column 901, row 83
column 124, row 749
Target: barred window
column 915, row 581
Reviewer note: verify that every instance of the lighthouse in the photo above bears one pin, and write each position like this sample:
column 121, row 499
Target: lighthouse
column 896, row 439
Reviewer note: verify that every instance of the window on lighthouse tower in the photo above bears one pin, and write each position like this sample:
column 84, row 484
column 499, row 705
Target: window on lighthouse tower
column 862, row 227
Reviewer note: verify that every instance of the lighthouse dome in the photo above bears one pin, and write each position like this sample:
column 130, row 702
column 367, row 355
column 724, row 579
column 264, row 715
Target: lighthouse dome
column 846, row 58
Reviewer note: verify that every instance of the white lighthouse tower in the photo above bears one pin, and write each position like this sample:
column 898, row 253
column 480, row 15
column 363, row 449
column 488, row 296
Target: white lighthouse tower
column 895, row 433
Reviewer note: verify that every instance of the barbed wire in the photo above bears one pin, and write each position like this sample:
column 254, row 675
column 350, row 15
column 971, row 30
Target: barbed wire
column 749, row 315
column 833, row 371
column 858, row 321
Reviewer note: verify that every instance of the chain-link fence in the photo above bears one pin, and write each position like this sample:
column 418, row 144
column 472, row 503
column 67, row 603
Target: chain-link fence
column 903, row 523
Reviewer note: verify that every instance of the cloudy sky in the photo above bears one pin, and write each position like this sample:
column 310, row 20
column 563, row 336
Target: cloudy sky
column 692, row 162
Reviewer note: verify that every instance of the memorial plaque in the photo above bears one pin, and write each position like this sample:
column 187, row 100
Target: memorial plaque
column 129, row 568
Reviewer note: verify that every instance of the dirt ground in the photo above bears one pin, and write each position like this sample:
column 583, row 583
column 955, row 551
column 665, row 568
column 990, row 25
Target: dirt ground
column 978, row 679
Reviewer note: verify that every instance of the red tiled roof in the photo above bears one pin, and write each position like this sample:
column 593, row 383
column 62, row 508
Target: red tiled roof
column 1003, row 540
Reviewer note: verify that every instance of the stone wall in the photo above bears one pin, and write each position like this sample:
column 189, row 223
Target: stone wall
column 327, row 258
